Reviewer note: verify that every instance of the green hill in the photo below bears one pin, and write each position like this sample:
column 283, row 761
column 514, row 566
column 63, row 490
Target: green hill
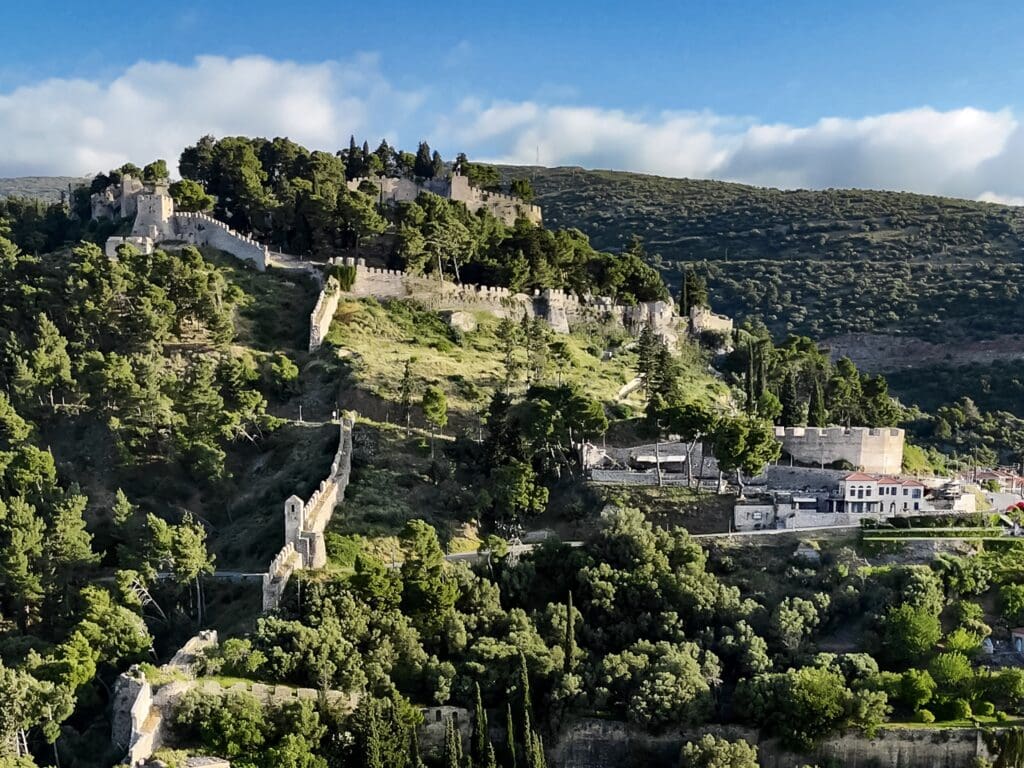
column 821, row 263
column 48, row 188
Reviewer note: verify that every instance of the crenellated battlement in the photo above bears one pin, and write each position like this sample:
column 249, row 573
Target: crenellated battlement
column 871, row 449
column 305, row 522
column 563, row 310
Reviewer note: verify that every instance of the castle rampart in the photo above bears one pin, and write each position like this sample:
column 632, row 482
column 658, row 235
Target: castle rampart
column 323, row 313
column 508, row 208
column 305, row 522
column 562, row 310
column 878, row 450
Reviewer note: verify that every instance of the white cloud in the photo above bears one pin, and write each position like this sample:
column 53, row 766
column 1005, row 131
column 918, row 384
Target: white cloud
column 154, row 109
column 989, row 196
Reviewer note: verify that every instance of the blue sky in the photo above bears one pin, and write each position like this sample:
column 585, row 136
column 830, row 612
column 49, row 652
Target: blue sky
column 906, row 95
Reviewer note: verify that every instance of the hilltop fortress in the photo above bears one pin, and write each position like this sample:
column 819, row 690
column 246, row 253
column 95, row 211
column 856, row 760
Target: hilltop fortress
column 156, row 221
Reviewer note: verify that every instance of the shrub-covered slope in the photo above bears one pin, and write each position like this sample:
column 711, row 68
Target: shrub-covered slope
column 820, row 263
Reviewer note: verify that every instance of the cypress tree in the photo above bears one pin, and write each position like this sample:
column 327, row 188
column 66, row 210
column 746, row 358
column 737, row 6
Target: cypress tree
column 490, row 761
column 478, row 741
column 510, row 737
column 451, row 756
column 569, row 642
column 524, row 687
column 817, row 415
column 415, row 761
column 537, row 759
column 794, row 413
column 749, row 405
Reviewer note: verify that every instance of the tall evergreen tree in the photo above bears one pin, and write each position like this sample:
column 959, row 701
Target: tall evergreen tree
column 817, row 416
column 423, row 166
column 794, row 409
column 510, row 737
column 451, row 756
column 751, row 398
column 415, row 761
column 479, row 740
column 569, row 641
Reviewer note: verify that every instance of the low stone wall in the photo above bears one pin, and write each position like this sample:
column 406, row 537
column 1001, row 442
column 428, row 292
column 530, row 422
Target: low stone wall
column 591, row 743
column 323, row 313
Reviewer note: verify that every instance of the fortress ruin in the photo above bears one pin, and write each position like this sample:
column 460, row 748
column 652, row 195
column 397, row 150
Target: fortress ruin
column 508, row 208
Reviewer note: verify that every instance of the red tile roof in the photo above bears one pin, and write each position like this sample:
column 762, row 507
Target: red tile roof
column 859, row 477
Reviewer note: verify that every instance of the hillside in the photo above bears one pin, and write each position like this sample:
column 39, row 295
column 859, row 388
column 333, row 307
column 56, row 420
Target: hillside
column 46, row 188
column 820, row 263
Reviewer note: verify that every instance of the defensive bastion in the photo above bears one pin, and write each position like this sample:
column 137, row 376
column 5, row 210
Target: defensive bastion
column 877, row 450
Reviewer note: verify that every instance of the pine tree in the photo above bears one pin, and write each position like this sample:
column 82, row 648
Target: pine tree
column 569, row 642
column 817, row 415
column 478, row 741
column 405, row 396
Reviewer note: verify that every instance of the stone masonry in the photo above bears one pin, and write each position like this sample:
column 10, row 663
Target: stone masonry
column 870, row 450
column 305, row 522
column 563, row 311
column 507, row 208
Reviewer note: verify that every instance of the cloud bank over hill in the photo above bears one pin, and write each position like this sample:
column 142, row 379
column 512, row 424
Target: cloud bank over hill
column 153, row 109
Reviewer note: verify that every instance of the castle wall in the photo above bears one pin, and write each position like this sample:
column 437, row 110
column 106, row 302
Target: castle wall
column 592, row 743
column 871, row 450
column 141, row 243
column 563, row 311
column 703, row 320
column 507, row 208
column 323, row 313
column 203, row 229
column 305, row 522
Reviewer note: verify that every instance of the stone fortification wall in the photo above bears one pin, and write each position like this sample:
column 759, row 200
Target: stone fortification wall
column 305, row 522
column 139, row 242
column 779, row 477
column 607, row 744
column 203, row 229
column 323, row 313
column 703, row 320
column 507, row 208
column 563, row 311
column 137, row 723
column 133, row 727
column 871, row 450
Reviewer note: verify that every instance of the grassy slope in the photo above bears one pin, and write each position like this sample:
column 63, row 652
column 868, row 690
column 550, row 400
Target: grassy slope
column 390, row 478
column 377, row 340
column 821, row 263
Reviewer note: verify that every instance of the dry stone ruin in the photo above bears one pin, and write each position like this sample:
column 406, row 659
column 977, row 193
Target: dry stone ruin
column 507, row 208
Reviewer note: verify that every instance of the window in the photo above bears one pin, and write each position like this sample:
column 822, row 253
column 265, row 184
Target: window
column 917, row 505
column 916, row 495
column 868, row 491
column 904, row 491
column 757, row 515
